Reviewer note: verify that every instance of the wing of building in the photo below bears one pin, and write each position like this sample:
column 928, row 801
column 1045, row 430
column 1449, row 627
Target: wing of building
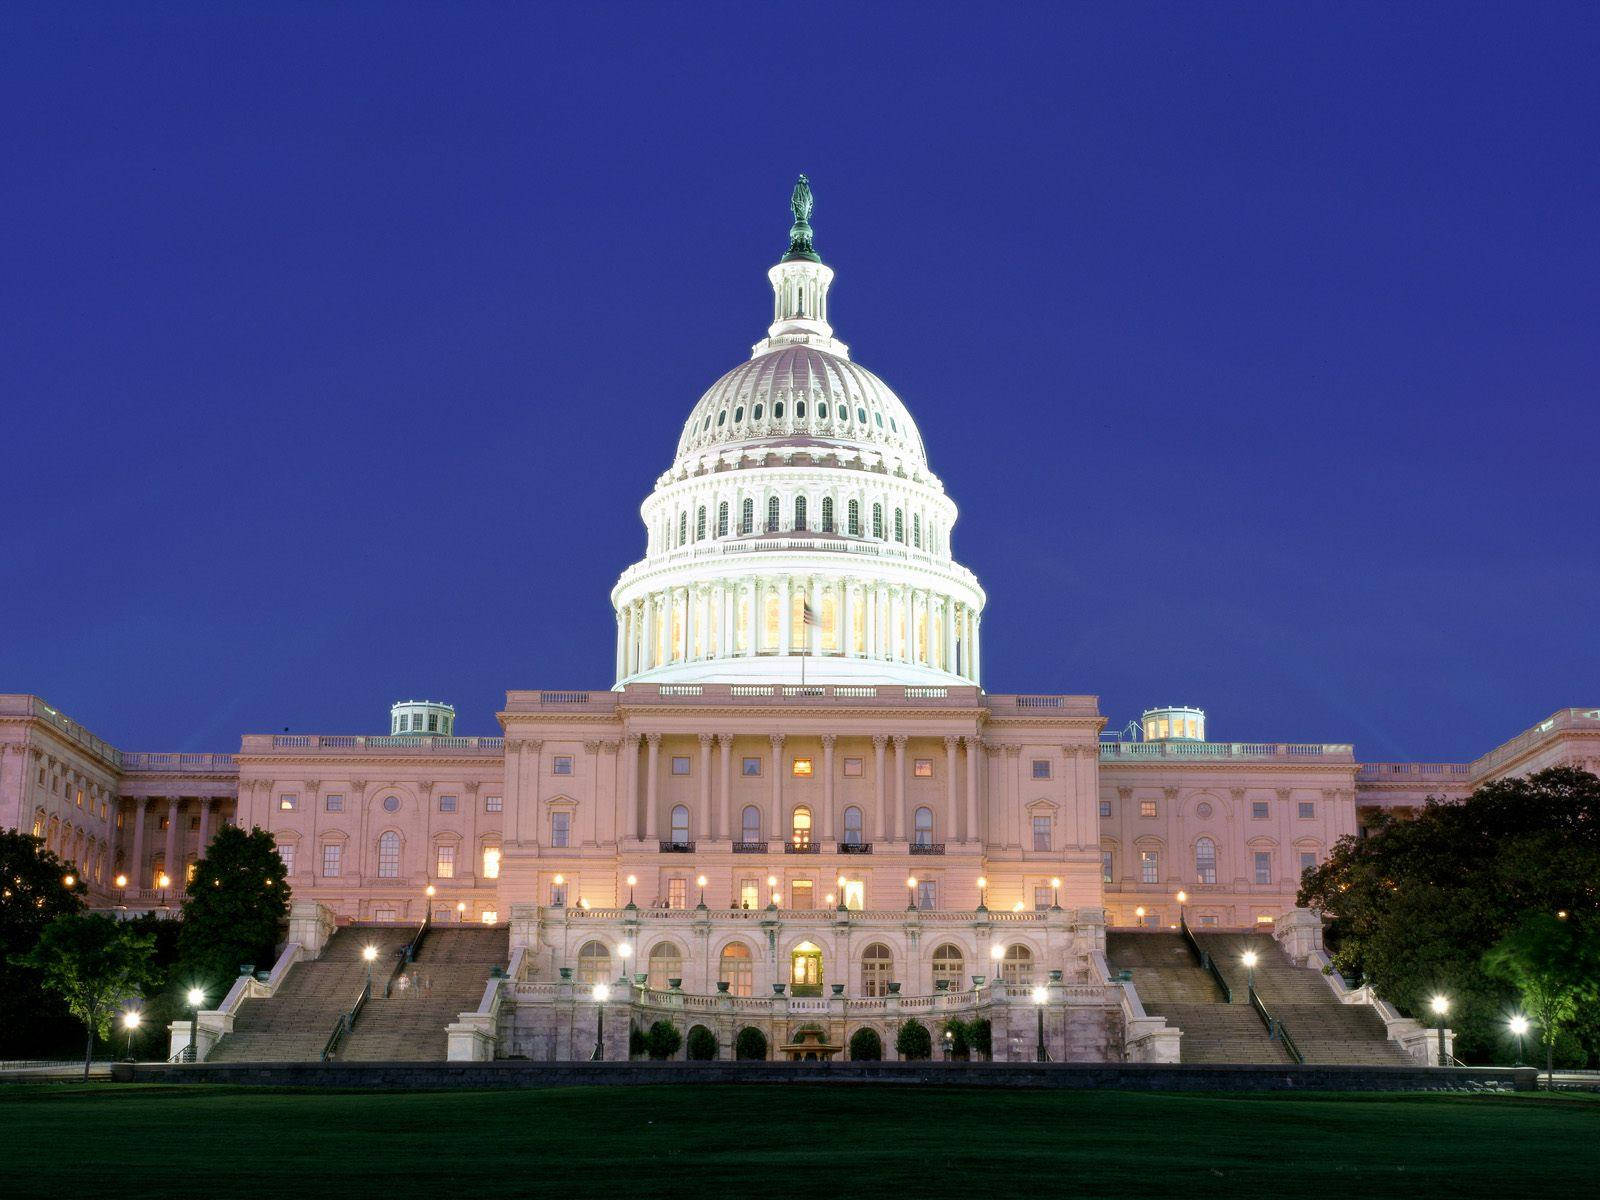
column 796, row 739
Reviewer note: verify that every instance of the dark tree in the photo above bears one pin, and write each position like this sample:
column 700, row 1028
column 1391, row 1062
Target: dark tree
column 1554, row 963
column 913, row 1041
column 702, row 1044
column 235, row 910
column 980, row 1037
column 33, row 1022
column 750, row 1044
column 663, row 1040
column 960, row 1037
column 866, row 1046
column 95, row 964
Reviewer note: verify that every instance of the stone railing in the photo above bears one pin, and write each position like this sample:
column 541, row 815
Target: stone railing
column 138, row 761
column 1560, row 721
column 1405, row 772
column 1037, row 918
column 724, row 549
column 1133, row 752
column 402, row 743
column 15, row 705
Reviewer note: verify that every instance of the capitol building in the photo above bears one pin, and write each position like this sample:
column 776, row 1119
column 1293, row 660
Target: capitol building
column 797, row 807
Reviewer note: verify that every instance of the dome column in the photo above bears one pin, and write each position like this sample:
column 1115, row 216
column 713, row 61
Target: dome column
column 785, row 614
column 648, row 639
column 945, row 660
column 651, row 783
column 691, row 613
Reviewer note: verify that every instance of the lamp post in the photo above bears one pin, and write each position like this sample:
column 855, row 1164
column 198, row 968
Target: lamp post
column 842, row 881
column 996, row 953
column 196, row 999
column 949, row 1045
column 702, row 882
column 983, row 888
column 369, row 953
column 69, row 881
column 121, row 881
column 163, row 881
column 1441, row 1007
column 1055, row 894
column 1249, row 960
column 601, row 994
column 911, row 893
column 1040, row 995
column 772, row 889
column 130, row 1022
column 1138, row 915
column 623, row 951
column 1519, row 1029
column 632, row 879
column 1183, row 898
column 461, row 911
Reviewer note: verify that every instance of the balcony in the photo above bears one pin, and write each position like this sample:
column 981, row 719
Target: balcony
column 677, row 847
column 801, row 848
column 854, row 847
column 749, row 847
column 927, row 847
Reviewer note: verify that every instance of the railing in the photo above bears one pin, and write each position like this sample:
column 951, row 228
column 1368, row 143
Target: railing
column 254, row 743
column 677, row 847
column 854, row 847
column 1276, row 1030
column 33, row 706
column 927, row 847
column 1564, row 718
column 346, row 1020
column 1222, row 751
column 802, row 848
column 139, row 760
column 408, row 952
column 1203, row 959
column 749, row 847
column 184, row 1055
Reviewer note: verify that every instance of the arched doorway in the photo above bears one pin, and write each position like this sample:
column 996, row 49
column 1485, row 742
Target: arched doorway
column 805, row 970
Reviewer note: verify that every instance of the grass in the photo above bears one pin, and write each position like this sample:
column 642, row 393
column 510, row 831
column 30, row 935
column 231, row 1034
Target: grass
column 132, row 1141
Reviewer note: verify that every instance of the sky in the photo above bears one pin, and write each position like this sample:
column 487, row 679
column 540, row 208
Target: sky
column 1257, row 344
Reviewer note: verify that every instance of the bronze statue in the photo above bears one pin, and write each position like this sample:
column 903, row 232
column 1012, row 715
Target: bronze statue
column 800, row 232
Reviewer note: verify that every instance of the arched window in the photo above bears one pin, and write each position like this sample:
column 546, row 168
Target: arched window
column 683, row 528
column 852, row 826
column 827, row 514
column 777, row 411
column 877, row 521
column 680, row 823
column 755, row 413
column 491, row 862
column 594, row 963
column 722, row 418
column 735, row 969
column 750, row 824
column 948, row 964
column 389, row 855
column 900, row 526
column 922, row 832
column 1205, row 861
column 700, row 524
column 916, row 530
column 799, row 512
column 799, row 410
column 666, row 963
column 772, row 515
column 1016, row 967
column 853, row 515
column 822, row 410
column 722, row 519
column 747, row 517
column 738, row 414
column 801, row 828
column 877, row 967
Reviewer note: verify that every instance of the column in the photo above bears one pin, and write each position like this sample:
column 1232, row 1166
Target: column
column 725, row 791
column 977, row 653
column 946, row 659
column 828, row 740
column 891, row 630
column 813, row 634
column 757, row 618
column 630, row 787
column 869, row 604
column 881, row 825
column 928, row 638
column 205, row 824
column 974, row 749
column 705, row 821
column 785, row 614
column 952, row 802
column 777, row 785
column 904, row 830
column 652, row 775
column 174, row 809
column 691, row 620
column 850, row 616
column 648, row 638
column 136, row 871
column 622, row 641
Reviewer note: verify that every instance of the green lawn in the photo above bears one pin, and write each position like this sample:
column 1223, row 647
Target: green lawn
column 836, row 1142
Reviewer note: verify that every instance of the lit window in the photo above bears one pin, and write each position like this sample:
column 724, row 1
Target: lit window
column 445, row 862
column 1041, row 833
column 948, row 964
column 680, row 764
column 561, row 764
column 1147, row 808
column 855, row 894
column 1016, row 968
column 288, row 802
column 1149, row 866
column 750, row 824
column 1106, row 865
column 680, row 823
column 1308, row 809
column 594, row 963
column 1263, row 863
column 1205, row 861
column 1258, row 810
column 560, row 828
column 749, row 892
column 491, row 862
column 558, row 895
column 750, row 766
column 1041, row 768
column 666, row 964
column 493, row 804
column 332, row 859
column 800, row 894
column 1105, row 808
column 447, row 804
column 1041, row 897
column 389, row 855
column 490, row 916
column 877, row 966
column 677, row 891
column 852, row 768
column 335, row 803
column 735, row 969
column 801, row 832
column 922, row 768
column 801, row 768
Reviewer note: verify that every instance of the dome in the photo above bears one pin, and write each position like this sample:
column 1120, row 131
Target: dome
column 799, row 393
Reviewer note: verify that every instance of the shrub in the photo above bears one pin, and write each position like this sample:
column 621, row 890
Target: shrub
column 960, row 1042
column 663, row 1040
column 866, row 1046
column 702, row 1044
column 913, row 1041
column 637, row 1044
column 750, row 1044
column 979, row 1037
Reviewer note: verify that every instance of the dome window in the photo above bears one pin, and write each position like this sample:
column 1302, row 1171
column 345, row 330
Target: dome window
column 799, row 410
column 878, row 417
column 772, row 515
column 900, row 526
column 747, row 517
column 755, row 414
column 738, row 414
column 861, row 415
column 706, row 424
column 722, row 418
column 777, row 411
column 700, row 525
column 853, row 516
column 827, row 514
column 916, row 530
column 683, row 528
column 800, row 512
column 822, row 410
column 722, row 519
column 895, row 428
column 877, row 521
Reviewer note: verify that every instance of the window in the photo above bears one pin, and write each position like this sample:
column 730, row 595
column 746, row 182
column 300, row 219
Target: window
column 922, row 827
column 922, row 768
column 900, row 525
column 1308, row 861
column 683, row 528
column 1205, row 861
column 772, row 515
column 1258, row 810
column 852, row 768
column 1263, row 862
column 1152, row 920
column 800, row 512
column 799, row 410
column 735, row 969
column 666, row 964
column 389, row 855
column 1105, row 808
column 755, row 413
column 491, row 862
column 916, row 530
column 852, row 826
column 749, row 892
column 827, row 514
column 560, row 828
column 1147, row 808
column 680, row 823
column 287, row 802
column 800, row 894
column 1041, row 768
column 286, row 853
column 1016, row 968
column 447, row 804
column 750, row 824
column 332, row 859
column 877, row 521
column 700, row 524
column 680, row 764
column 722, row 519
column 490, row 916
column 433, row 722
column 1308, row 809
column 334, row 803
column 194, row 824
column 1149, row 866
column 561, row 764
column 747, row 516
column 391, row 804
column 801, row 831
column 1107, row 865
column 493, row 804
column 1041, row 897
column 877, row 965
column 948, row 965
column 927, row 894
column 749, row 767
column 853, row 518
column 801, row 768
column 594, row 963
column 558, row 894
column 855, row 894
column 1041, row 833
column 444, row 862
column 677, row 892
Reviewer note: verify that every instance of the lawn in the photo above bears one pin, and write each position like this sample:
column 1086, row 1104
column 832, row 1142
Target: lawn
column 738, row 1141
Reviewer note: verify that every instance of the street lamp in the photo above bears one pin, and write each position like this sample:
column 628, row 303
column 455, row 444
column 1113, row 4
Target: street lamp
column 163, row 881
column 196, row 999
column 1040, row 995
column 841, row 881
column 1183, row 898
column 623, row 951
column 772, row 887
column 461, row 911
column 1138, row 914
column 601, row 994
column 69, row 881
column 632, row 879
column 1519, row 1029
column 983, row 888
column 130, row 1022
column 1055, row 895
column 702, row 882
column 1441, row 1006
column 949, row 1045
column 1249, row 960
column 121, row 881
column 369, row 953
column 911, row 892
column 559, row 900
column 996, row 953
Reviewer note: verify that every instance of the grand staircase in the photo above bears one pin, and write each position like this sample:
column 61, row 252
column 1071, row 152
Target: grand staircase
column 447, row 979
column 293, row 1024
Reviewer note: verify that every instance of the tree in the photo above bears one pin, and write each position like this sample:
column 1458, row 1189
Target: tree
column 913, row 1041
column 1552, row 961
column 235, row 907
column 750, row 1044
column 663, row 1040
column 94, row 963
column 866, row 1045
column 702, row 1044
column 960, row 1039
column 1416, row 904
column 980, row 1035
column 35, row 893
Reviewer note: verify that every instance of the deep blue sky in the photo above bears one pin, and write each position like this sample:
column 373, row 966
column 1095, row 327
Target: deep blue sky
column 1258, row 346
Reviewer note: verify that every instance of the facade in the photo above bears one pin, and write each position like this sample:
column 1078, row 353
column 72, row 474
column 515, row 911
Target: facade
column 796, row 780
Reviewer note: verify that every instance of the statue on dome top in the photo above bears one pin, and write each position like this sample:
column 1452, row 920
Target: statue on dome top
column 800, row 232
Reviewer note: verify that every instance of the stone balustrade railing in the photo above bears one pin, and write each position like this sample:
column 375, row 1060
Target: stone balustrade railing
column 722, row 549
column 809, row 695
column 138, row 761
column 399, row 743
column 938, row 1003
column 1166, row 751
column 1038, row 918
column 1392, row 772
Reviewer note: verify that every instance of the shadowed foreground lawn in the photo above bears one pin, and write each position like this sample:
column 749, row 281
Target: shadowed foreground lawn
column 708, row 1141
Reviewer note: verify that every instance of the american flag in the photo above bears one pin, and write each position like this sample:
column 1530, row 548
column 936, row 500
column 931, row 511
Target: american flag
column 807, row 615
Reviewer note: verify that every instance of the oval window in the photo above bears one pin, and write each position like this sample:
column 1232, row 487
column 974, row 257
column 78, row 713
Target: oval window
column 861, row 415
column 799, row 410
column 755, row 414
column 391, row 804
column 722, row 418
column 878, row 417
column 777, row 411
column 893, row 426
column 738, row 414
column 822, row 410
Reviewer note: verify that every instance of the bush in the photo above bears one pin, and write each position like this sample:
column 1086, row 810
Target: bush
column 637, row 1044
column 702, row 1044
column 663, row 1040
column 866, row 1046
column 980, row 1038
column 913, row 1041
column 960, row 1041
column 750, row 1044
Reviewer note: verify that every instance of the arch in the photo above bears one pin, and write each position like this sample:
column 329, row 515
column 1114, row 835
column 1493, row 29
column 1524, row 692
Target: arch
column 922, row 827
column 852, row 826
column 1016, row 968
column 388, row 855
column 800, row 826
column 1205, row 860
column 680, row 823
column 747, row 516
column 827, row 514
column 877, row 969
column 750, row 824
column 722, row 519
column 665, row 963
column 594, row 963
column 805, row 969
column 736, row 969
column 772, row 514
column 800, row 513
column 949, row 965
column 853, row 518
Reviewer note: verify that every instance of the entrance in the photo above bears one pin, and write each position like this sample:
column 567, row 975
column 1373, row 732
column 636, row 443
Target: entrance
column 805, row 970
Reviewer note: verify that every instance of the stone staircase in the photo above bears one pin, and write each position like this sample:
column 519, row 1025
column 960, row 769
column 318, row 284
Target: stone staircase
column 447, row 979
column 1325, row 1030
column 293, row 1024
column 1170, row 985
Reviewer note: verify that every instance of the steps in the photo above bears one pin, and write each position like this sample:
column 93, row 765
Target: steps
column 447, row 979
column 293, row 1024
